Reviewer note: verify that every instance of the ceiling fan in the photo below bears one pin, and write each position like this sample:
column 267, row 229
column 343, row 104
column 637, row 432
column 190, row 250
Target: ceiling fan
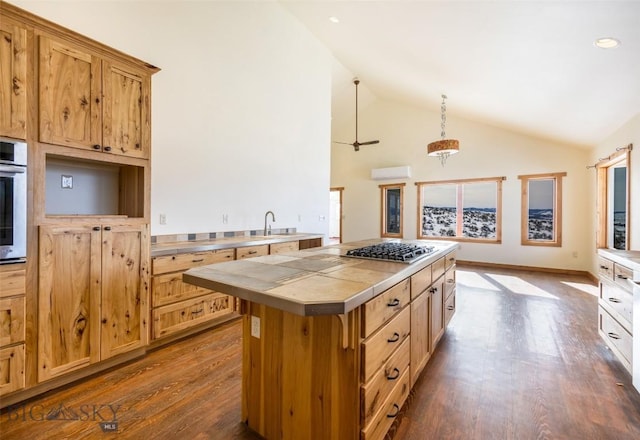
column 356, row 144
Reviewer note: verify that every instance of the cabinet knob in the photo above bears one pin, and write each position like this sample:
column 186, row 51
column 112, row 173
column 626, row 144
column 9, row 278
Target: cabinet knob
column 433, row 290
column 107, row 148
column 396, row 411
column 450, row 308
column 96, row 228
column 622, row 277
column 107, row 228
column 96, row 147
column 394, row 338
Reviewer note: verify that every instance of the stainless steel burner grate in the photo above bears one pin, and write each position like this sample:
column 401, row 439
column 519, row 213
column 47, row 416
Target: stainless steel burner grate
column 393, row 251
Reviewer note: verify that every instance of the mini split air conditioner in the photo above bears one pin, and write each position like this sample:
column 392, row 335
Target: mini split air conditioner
column 391, row 173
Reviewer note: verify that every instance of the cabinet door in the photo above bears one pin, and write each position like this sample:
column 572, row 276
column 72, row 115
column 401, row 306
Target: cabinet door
column 69, row 92
column 69, row 299
column 125, row 289
column 420, row 335
column 437, row 312
column 126, row 117
column 13, row 81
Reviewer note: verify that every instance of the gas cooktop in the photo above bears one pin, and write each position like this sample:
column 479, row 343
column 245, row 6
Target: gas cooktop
column 392, row 251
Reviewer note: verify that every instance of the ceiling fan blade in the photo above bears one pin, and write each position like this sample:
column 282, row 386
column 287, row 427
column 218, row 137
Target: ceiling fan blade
column 369, row 143
column 343, row 143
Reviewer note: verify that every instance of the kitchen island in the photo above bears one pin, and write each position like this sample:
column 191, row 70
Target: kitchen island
column 332, row 345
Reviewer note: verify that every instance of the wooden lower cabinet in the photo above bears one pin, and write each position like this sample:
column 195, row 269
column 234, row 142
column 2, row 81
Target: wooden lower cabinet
column 420, row 335
column 179, row 306
column 615, row 309
column 12, row 327
column 93, row 294
column 287, row 246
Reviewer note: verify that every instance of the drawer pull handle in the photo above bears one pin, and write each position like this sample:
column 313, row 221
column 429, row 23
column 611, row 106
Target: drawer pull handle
column 452, row 259
column 397, row 374
column 433, row 290
column 397, row 410
column 197, row 312
column 96, row 147
column 613, row 335
column 451, row 281
column 96, row 228
column 450, row 308
column 107, row 228
column 107, row 148
column 394, row 338
column 393, row 303
column 252, row 252
column 199, row 260
column 604, row 267
column 614, row 300
column 622, row 277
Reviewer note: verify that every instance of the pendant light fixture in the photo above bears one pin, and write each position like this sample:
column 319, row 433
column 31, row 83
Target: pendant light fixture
column 444, row 147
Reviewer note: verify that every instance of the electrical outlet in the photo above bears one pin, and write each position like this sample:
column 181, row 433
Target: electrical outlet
column 321, row 218
column 66, row 182
column 255, row 326
column 163, row 219
column 225, row 218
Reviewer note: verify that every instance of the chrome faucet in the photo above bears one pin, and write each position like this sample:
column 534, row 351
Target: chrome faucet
column 273, row 218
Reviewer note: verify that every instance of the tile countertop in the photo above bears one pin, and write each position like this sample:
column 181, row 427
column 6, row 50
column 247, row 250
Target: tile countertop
column 181, row 247
column 316, row 281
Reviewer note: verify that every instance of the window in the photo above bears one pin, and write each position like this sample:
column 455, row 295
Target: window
column 391, row 219
column 541, row 215
column 613, row 200
column 463, row 210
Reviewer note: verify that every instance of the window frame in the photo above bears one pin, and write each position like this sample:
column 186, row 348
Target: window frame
column 459, row 212
column 383, row 209
column 557, row 208
column 602, row 195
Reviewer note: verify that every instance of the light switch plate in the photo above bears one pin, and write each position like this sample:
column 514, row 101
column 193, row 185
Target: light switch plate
column 67, row 182
column 255, row 327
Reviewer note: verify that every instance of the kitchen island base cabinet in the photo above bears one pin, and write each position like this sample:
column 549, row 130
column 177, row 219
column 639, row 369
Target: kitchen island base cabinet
column 298, row 380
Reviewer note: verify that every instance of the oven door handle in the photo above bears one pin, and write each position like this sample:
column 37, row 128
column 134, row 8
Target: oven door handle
column 11, row 170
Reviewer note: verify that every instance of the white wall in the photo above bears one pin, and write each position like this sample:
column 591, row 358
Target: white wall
column 628, row 133
column 485, row 151
column 240, row 110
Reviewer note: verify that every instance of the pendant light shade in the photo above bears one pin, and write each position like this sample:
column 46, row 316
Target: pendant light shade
column 443, row 148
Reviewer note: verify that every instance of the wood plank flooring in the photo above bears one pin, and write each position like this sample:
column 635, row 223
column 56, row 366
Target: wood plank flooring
column 521, row 359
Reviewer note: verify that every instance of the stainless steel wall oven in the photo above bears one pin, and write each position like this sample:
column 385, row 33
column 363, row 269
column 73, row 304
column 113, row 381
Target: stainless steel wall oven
column 13, row 201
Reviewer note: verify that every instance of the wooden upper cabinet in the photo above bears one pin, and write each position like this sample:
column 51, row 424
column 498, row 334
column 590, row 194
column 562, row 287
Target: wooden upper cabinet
column 13, row 80
column 92, row 103
column 126, row 106
column 69, row 299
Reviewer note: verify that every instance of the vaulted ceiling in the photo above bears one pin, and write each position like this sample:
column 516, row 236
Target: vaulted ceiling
column 528, row 66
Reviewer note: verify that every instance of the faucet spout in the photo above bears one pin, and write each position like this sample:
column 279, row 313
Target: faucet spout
column 273, row 219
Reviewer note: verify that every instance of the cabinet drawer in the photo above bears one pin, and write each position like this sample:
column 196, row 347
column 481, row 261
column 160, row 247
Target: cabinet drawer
column 437, row 268
column 175, row 317
column 383, row 307
column 381, row 422
column 618, row 300
column 169, row 288
column 252, row 251
column 420, row 281
column 449, row 281
column 449, row 260
column 616, row 336
column 13, row 282
column 605, row 268
column 622, row 274
column 173, row 263
column 11, row 320
column 373, row 393
column 449, row 307
column 288, row 246
column 379, row 346
column 11, row 369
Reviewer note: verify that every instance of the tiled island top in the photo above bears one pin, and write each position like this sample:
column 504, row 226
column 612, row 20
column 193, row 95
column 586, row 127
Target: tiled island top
column 317, row 281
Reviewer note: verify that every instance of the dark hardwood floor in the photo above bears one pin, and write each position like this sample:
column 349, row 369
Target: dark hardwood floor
column 521, row 359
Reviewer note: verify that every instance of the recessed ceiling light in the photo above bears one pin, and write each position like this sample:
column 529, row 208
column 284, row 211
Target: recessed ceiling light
column 606, row 43
column 333, row 19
